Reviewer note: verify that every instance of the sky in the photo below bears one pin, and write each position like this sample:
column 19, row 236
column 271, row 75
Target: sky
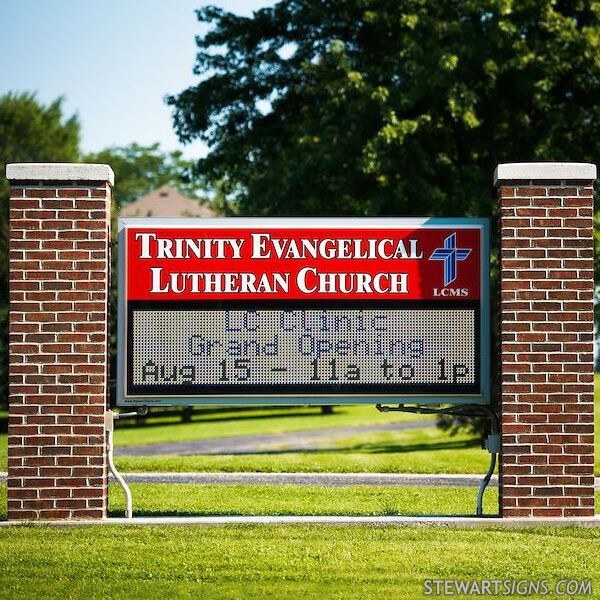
column 114, row 61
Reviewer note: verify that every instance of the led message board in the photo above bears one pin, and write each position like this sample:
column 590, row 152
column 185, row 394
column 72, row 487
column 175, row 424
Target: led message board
column 310, row 311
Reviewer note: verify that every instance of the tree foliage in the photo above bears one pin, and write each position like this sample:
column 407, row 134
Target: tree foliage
column 140, row 169
column 33, row 132
column 390, row 107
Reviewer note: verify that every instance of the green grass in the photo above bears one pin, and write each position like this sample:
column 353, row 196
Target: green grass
column 162, row 499
column 415, row 451
column 308, row 562
column 238, row 562
column 214, row 424
column 204, row 500
column 425, row 450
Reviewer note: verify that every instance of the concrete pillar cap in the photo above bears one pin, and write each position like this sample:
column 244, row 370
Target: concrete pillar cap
column 59, row 172
column 560, row 171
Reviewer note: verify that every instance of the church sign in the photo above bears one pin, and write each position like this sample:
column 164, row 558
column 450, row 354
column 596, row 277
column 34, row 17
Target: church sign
column 303, row 311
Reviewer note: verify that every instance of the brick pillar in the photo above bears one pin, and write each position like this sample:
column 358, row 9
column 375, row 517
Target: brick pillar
column 546, row 321
column 59, row 275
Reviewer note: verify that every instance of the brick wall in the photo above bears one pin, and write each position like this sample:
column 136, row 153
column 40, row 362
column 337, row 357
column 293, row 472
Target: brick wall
column 59, row 272
column 546, row 316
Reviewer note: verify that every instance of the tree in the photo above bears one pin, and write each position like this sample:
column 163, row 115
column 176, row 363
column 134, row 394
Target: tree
column 380, row 107
column 32, row 132
column 141, row 169
column 29, row 132
column 390, row 107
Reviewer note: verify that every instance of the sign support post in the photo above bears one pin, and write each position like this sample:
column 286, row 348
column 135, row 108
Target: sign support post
column 547, row 323
column 58, row 368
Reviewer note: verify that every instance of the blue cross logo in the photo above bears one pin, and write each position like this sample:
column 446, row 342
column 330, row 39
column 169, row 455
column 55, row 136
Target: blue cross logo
column 451, row 255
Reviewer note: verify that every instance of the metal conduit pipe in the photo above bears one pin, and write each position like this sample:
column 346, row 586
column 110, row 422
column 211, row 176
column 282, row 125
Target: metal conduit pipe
column 109, row 419
column 491, row 442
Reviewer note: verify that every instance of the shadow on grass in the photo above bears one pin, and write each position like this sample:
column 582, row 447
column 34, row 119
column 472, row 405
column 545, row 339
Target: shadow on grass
column 367, row 448
column 204, row 418
column 371, row 448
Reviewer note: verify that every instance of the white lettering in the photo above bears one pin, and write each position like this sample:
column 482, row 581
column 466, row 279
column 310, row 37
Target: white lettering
column 145, row 237
column 263, row 246
column 152, row 246
column 309, row 281
column 156, row 281
column 301, row 280
column 259, row 242
column 217, row 283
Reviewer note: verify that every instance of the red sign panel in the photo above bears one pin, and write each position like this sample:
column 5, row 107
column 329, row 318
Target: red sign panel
column 268, row 263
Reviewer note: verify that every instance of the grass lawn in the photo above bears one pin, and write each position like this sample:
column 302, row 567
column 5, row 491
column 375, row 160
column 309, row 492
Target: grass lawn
column 415, row 451
column 308, row 562
column 213, row 424
column 255, row 421
column 425, row 450
column 205, row 500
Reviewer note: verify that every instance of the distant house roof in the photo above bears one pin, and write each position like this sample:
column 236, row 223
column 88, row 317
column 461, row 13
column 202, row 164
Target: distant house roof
column 166, row 202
